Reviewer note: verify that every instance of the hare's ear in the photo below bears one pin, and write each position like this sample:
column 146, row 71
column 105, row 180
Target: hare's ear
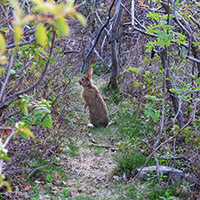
column 90, row 72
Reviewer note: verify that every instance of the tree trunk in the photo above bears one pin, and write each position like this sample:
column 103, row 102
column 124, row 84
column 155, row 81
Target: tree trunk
column 173, row 96
column 114, row 67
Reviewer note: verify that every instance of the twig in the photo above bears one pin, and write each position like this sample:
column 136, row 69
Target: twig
column 91, row 138
column 7, row 77
column 10, row 46
column 36, row 170
column 193, row 59
column 7, row 20
column 194, row 20
column 98, row 35
column 132, row 13
column 104, row 146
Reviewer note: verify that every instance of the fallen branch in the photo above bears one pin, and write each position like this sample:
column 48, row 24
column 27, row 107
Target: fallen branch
column 91, row 138
column 106, row 146
column 156, row 149
column 36, row 170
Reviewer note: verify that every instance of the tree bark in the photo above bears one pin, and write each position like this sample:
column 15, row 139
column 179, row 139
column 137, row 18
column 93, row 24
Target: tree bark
column 173, row 96
column 114, row 68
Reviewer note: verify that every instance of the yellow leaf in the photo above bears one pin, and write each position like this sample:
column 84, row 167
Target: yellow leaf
column 37, row 1
column 27, row 19
column 3, row 60
column 46, row 8
column 14, row 4
column 18, row 34
column 62, row 26
column 27, row 132
column 2, row 44
column 2, row 70
column 41, row 35
column 3, row 182
column 81, row 19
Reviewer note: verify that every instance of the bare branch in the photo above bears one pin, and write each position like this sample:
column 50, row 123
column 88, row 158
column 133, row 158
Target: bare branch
column 194, row 20
column 132, row 13
column 6, row 79
column 16, row 95
column 193, row 59
column 98, row 35
column 5, row 144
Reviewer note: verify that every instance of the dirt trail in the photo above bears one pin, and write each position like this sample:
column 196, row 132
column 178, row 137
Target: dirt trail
column 91, row 171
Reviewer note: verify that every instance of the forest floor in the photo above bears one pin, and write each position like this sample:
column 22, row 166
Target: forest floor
column 88, row 162
column 84, row 166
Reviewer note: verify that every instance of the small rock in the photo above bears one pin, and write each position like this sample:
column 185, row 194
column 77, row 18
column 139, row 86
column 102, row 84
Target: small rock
column 165, row 170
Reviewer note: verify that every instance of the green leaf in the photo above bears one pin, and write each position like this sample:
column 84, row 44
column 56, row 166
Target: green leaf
column 151, row 46
column 19, row 64
column 49, row 178
column 6, row 158
column 52, row 60
column 153, row 98
column 136, row 70
column 163, row 38
column 41, row 35
column 62, row 26
column 2, row 44
column 23, row 135
column 177, row 91
column 155, row 16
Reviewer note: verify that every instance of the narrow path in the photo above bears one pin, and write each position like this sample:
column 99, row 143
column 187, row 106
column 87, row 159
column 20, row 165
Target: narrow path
column 91, row 172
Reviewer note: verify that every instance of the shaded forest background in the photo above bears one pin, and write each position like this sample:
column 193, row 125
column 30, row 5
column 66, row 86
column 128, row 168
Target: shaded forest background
column 146, row 61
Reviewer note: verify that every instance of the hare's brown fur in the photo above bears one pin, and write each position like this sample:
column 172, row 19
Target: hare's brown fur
column 94, row 101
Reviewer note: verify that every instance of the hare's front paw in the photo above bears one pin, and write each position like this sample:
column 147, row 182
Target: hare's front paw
column 90, row 126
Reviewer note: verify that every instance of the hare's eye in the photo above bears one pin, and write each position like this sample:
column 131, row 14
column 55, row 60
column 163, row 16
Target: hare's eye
column 82, row 79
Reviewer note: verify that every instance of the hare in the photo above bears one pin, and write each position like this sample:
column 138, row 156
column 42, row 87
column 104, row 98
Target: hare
column 94, row 101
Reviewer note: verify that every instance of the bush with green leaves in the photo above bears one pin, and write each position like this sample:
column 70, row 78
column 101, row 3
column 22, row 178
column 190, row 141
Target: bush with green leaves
column 28, row 32
column 132, row 122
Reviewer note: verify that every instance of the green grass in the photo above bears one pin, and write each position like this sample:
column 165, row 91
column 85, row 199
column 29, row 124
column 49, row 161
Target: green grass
column 132, row 123
column 153, row 190
column 127, row 162
column 98, row 150
column 83, row 198
column 74, row 149
column 159, row 191
column 105, row 134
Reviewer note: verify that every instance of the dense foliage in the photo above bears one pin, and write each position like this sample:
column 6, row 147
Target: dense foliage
column 148, row 54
